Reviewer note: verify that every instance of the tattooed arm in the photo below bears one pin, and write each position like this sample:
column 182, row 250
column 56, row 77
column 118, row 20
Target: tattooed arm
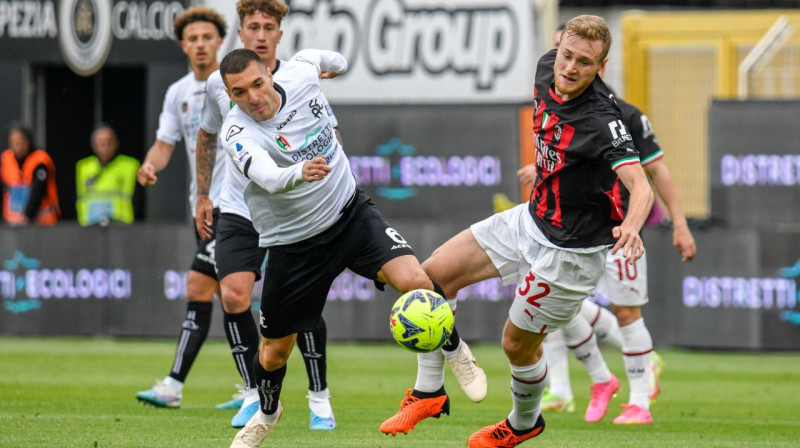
column 206, row 154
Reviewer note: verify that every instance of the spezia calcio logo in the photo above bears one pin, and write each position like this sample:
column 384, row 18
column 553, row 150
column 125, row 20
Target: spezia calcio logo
column 85, row 34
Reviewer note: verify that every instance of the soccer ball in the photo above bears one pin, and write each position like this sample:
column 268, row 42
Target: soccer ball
column 421, row 321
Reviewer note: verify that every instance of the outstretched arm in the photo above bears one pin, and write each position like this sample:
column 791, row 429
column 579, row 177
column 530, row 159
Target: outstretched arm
column 156, row 160
column 329, row 63
column 682, row 238
column 641, row 200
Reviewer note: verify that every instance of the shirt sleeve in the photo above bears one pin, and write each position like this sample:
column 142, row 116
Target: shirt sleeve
column 169, row 122
column 255, row 163
column 615, row 139
column 211, row 117
column 323, row 60
column 645, row 138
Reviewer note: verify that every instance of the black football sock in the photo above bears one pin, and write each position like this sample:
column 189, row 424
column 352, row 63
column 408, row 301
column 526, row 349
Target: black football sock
column 454, row 340
column 269, row 387
column 438, row 393
column 243, row 337
column 437, row 288
column 193, row 334
column 452, row 343
column 312, row 345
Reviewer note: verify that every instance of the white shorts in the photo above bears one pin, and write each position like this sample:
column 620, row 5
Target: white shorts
column 624, row 284
column 551, row 282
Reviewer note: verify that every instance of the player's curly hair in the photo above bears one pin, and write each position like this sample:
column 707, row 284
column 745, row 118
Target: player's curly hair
column 274, row 8
column 590, row 28
column 199, row 14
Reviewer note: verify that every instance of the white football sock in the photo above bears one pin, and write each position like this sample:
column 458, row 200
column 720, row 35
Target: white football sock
column 319, row 403
column 270, row 419
column 527, row 386
column 430, row 371
column 557, row 354
column 603, row 321
column 174, row 384
column 582, row 342
column 453, row 304
column 452, row 353
column 637, row 347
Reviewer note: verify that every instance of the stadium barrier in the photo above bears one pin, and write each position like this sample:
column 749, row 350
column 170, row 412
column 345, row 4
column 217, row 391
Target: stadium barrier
column 740, row 292
column 754, row 162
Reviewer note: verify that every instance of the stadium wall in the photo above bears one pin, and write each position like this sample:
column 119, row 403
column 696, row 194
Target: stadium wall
column 66, row 65
column 754, row 163
column 740, row 292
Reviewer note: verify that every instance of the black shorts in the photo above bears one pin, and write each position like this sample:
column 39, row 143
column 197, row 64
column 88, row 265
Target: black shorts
column 203, row 261
column 299, row 275
column 237, row 246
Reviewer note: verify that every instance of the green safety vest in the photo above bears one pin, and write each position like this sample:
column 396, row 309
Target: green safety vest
column 105, row 193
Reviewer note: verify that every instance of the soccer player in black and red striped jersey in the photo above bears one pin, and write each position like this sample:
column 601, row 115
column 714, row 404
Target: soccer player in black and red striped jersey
column 554, row 248
column 626, row 287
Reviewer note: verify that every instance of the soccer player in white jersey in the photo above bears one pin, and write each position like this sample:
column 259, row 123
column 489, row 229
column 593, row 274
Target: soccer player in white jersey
column 261, row 33
column 305, row 205
column 239, row 258
column 200, row 31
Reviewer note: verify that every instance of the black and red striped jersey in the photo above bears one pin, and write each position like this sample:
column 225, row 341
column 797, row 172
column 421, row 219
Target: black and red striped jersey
column 579, row 143
column 644, row 139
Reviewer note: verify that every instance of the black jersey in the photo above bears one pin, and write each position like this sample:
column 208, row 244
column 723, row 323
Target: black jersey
column 578, row 145
column 644, row 138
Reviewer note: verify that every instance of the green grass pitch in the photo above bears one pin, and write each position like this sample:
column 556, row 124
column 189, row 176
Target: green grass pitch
column 65, row 392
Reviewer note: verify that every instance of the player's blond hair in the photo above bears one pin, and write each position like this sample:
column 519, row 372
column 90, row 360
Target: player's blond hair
column 199, row 14
column 590, row 28
column 274, row 8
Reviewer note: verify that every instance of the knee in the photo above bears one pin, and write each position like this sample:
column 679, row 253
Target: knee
column 199, row 293
column 435, row 274
column 511, row 347
column 626, row 315
column 272, row 357
column 234, row 299
column 519, row 354
column 413, row 279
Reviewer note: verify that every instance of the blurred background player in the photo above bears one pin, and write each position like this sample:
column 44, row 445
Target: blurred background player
column 28, row 181
column 200, row 31
column 238, row 256
column 105, row 181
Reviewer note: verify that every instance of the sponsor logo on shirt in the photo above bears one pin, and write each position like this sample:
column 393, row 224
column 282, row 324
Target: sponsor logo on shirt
column 283, row 143
column 288, row 119
column 315, row 107
column 233, row 130
column 619, row 133
column 241, row 153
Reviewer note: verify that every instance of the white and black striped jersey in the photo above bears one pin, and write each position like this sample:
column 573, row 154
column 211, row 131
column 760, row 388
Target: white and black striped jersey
column 284, row 208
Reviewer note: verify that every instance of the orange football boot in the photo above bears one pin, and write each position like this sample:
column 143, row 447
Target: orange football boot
column 414, row 410
column 500, row 435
